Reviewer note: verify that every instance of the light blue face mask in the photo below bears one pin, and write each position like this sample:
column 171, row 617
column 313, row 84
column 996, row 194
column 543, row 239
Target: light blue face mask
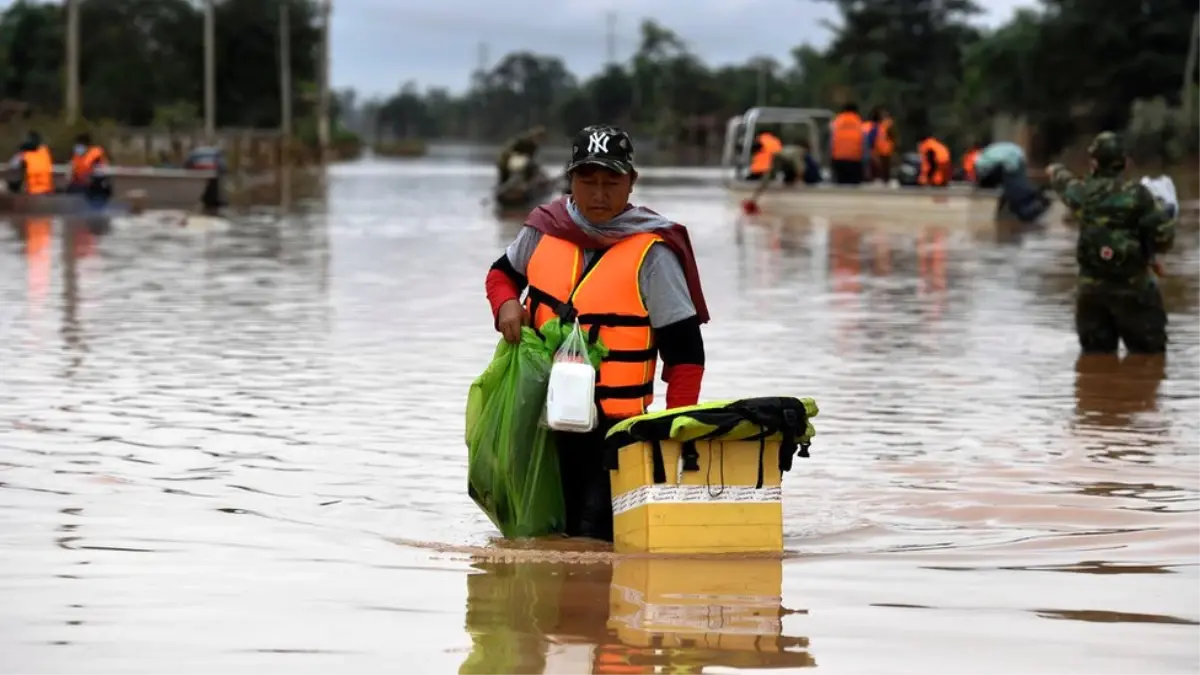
column 80, row 149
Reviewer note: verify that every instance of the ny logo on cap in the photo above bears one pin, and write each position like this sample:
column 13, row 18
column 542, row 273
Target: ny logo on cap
column 598, row 142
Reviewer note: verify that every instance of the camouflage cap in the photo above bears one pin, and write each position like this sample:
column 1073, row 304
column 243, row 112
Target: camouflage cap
column 602, row 145
column 1107, row 149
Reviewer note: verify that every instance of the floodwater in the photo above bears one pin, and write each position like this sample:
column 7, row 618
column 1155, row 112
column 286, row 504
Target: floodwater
column 242, row 451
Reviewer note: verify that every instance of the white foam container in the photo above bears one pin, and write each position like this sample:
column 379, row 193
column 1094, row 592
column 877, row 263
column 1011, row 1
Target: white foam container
column 571, row 397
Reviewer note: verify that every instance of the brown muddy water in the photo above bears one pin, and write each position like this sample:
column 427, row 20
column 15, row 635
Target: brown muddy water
column 241, row 451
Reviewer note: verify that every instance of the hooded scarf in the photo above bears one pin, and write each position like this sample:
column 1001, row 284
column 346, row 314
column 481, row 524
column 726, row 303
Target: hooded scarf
column 560, row 218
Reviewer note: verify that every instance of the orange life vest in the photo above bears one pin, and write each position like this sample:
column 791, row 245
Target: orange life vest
column 83, row 165
column 939, row 172
column 847, row 140
column 607, row 299
column 883, row 142
column 39, row 171
column 769, row 146
column 969, row 163
column 613, row 659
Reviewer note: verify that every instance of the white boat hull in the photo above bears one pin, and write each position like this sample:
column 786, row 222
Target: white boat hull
column 953, row 203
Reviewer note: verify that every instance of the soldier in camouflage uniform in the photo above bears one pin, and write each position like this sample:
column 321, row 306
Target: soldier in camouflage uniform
column 1121, row 230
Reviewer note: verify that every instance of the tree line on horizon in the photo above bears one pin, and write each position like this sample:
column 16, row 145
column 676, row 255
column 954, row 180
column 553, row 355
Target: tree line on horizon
column 1067, row 67
column 142, row 62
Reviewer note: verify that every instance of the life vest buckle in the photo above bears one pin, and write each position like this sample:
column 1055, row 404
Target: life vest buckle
column 566, row 312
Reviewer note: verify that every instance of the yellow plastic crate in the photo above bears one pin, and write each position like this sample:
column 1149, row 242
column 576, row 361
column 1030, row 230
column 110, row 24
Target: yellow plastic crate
column 725, row 606
column 717, row 509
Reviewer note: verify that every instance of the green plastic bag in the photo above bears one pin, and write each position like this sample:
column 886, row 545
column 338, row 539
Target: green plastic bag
column 512, row 463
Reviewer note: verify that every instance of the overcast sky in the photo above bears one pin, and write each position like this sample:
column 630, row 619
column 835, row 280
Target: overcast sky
column 379, row 44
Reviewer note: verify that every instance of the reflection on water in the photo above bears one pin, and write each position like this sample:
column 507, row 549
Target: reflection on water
column 637, row 615
column 1111, row 390
column 220, row 445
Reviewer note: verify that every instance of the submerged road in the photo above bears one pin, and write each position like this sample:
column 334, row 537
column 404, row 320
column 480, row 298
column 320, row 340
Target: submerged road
column 243, row 450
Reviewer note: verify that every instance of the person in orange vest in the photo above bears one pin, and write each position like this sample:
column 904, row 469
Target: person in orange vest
column 846, row 146
column 968, row 162
column 629, row 276
column 34, row 167
column 792, row 162
column 89, row 171
column 935, row 163
column 882, row 144
column 87, row 158
column 868, row 128
column 766, row 145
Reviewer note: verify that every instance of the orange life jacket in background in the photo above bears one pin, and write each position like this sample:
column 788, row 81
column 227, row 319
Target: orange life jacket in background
column 769, row 145
column 39, row 171
column 939, row 172
column 619, row 660
column 847, row 137
column 883, row 142
column 608, row 300
column 969, row 163
column 83, row 165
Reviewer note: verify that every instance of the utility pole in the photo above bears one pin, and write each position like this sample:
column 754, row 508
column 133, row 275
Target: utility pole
column 611, row 37
column 72, row 97
column 762, row 82
column 285, row 71
column 1189, row 69
column 323, row 83
column 210, row 73
column 482, row 59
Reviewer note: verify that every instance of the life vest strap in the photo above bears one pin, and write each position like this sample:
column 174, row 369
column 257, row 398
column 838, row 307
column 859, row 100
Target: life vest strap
column 615, row 320
column 538, row 297
column 567, row 313
column 631, row 355
column 659, row 472
column 631, row 391
column 690, row 456
column 786, row 417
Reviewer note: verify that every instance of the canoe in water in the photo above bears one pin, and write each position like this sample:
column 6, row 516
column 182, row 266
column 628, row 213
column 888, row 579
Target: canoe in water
column 523, row 196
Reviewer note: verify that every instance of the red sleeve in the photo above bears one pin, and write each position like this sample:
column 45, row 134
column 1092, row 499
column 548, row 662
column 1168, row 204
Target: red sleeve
column 500, row 289
column 683, row 384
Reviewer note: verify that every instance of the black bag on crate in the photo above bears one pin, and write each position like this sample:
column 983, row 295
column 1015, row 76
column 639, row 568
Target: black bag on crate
column 772, row 418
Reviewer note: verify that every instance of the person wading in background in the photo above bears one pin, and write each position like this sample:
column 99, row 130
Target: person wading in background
column 882, row 144
column 847, row 146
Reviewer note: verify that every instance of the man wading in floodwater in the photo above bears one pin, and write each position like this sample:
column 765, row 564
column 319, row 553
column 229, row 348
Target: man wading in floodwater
column 1121, row 230
column 630, row 276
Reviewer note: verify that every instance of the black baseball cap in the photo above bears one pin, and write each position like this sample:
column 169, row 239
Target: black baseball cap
column 602, row 145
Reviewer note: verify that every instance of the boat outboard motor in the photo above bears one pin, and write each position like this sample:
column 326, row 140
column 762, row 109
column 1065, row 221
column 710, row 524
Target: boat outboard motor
column 909, row 172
